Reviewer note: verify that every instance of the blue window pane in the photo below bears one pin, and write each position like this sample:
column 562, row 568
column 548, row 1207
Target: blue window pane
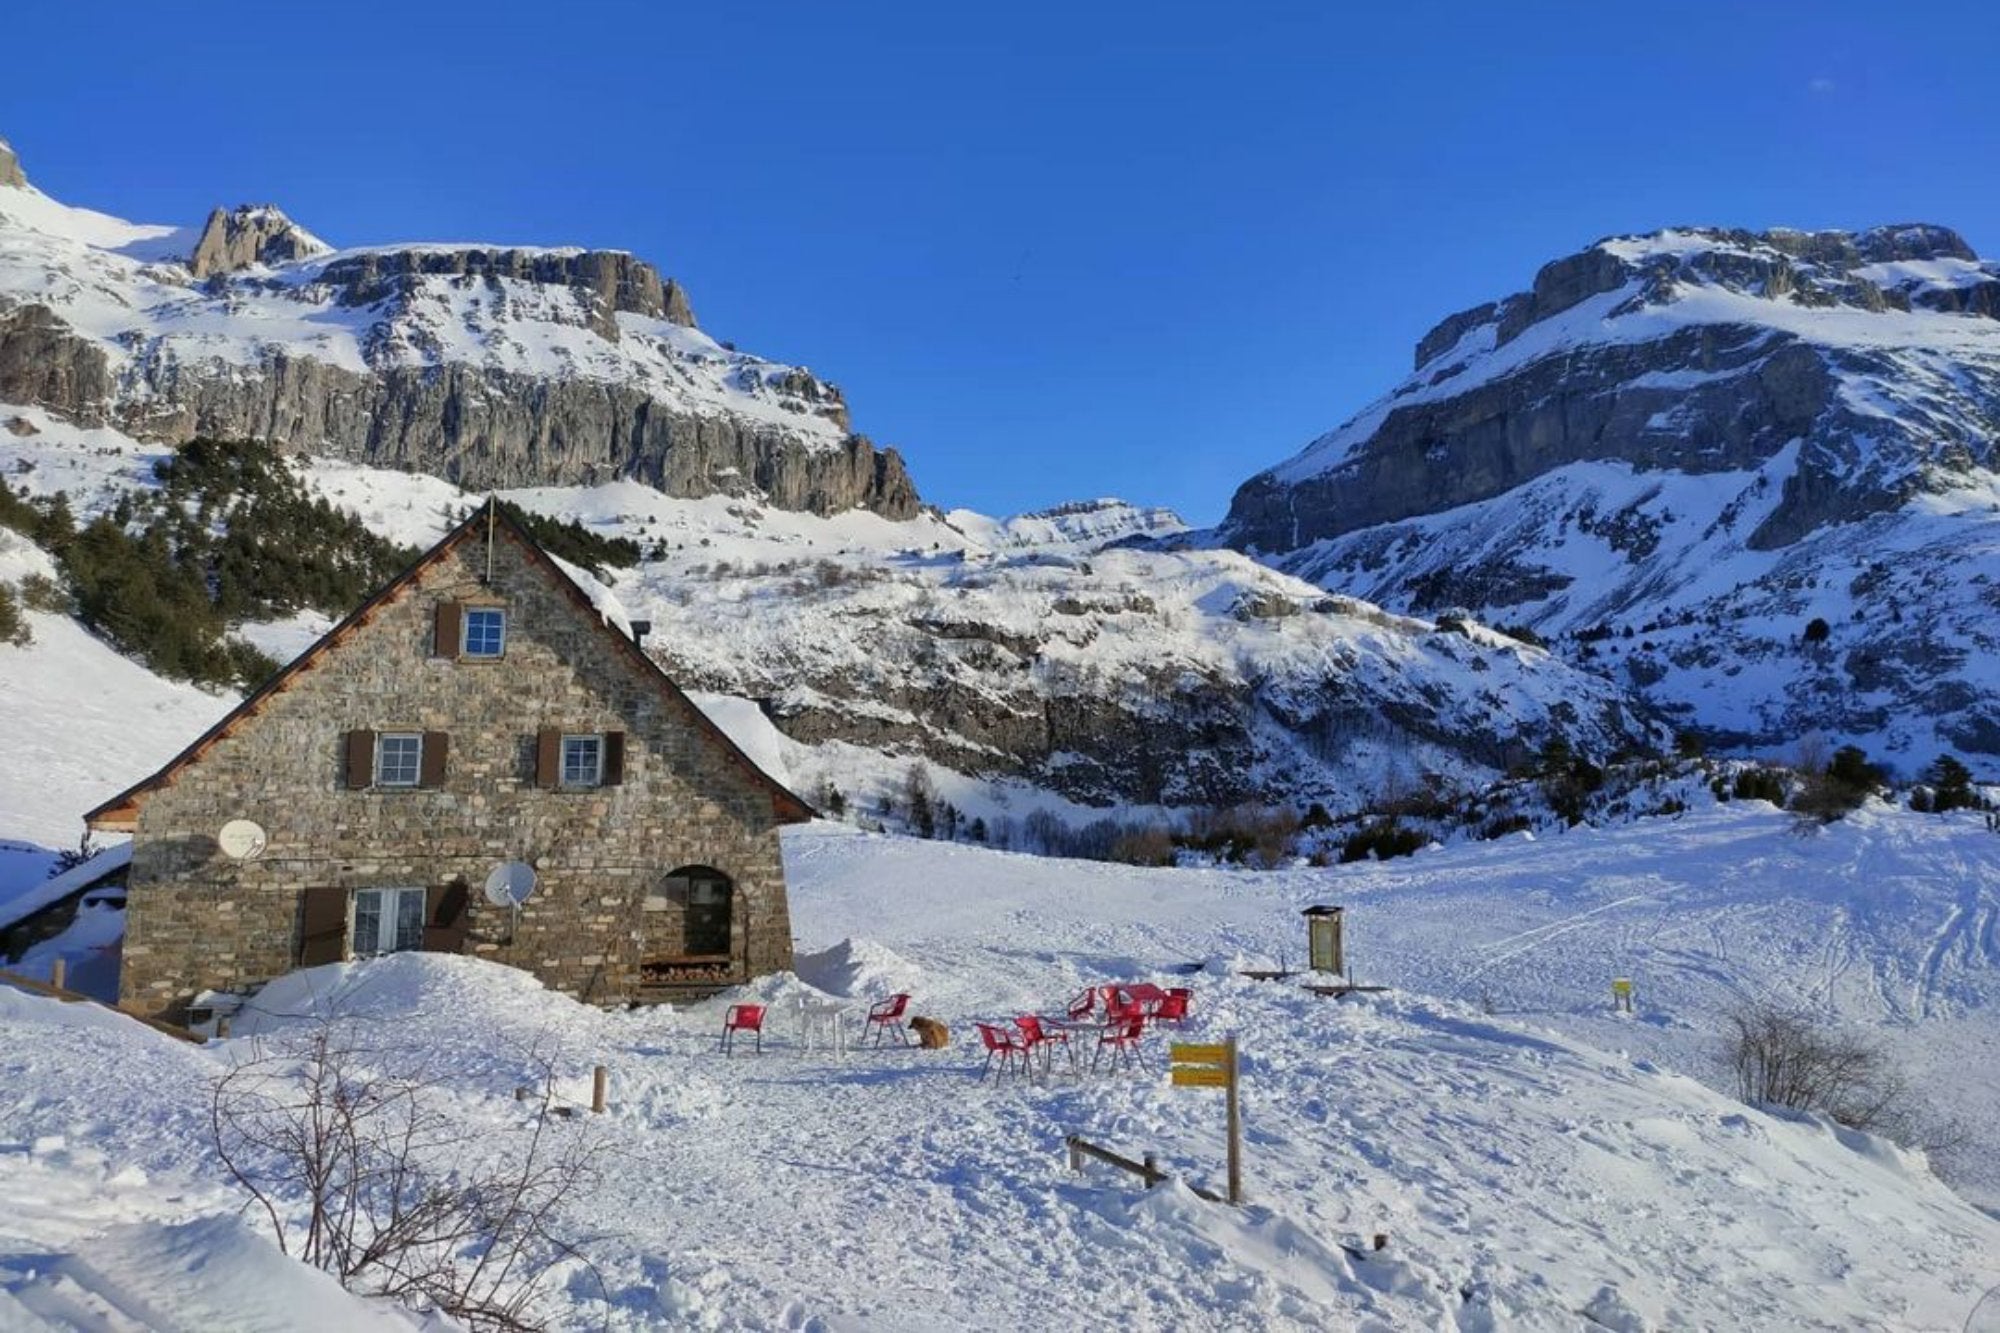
column 485, row 632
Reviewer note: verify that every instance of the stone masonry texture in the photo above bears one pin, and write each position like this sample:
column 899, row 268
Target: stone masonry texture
column 198, row 921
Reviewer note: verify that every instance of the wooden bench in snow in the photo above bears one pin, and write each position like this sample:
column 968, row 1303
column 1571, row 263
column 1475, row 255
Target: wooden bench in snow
column 68, row 996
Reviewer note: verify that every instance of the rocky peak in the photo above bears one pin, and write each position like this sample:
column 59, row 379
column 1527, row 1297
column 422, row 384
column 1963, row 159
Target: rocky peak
column 10, row 167
column 250, row 234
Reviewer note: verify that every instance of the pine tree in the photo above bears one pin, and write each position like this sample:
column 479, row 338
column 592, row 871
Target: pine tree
column 920, row 798
column 1951, row 785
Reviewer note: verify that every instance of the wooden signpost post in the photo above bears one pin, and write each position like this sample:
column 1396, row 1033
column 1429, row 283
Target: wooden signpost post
column 1213, row 1065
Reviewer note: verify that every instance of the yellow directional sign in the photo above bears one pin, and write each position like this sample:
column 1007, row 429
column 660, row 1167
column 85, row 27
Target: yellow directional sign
column 1198, row 1053
column 1198, row 1077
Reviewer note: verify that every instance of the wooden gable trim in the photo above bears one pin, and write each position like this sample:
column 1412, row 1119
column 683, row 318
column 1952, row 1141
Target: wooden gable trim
column 120, row 814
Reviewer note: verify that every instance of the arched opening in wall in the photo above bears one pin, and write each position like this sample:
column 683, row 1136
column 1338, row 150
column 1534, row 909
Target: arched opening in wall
column 706, row 897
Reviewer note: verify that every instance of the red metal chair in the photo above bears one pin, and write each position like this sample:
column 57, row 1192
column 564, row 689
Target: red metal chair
column 742, row 1018
column 1011, row 1050
column 1174, row 1008
column 1081, row 1004
column 1123, row 1037
column 1038, row 1038
column 1117, row 1005
column 887, row 1016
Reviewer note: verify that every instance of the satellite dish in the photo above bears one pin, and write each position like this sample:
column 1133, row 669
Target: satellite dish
column 241, row 839
column 510, row 884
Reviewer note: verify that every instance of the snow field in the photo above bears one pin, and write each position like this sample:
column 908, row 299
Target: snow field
column 1527, row 1180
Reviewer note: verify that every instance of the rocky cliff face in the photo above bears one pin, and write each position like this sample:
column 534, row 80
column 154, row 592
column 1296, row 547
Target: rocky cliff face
column 488, row 366
column 10, row 167
column 1700, row 351
column 1704, row 440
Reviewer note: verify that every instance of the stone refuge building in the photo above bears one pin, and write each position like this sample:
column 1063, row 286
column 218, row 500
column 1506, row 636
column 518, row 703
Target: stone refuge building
column 478, row 710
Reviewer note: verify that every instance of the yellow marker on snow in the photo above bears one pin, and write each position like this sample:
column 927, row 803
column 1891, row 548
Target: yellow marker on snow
column 1621, row 994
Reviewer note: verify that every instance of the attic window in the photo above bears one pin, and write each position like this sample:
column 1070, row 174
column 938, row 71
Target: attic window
column 485, row 632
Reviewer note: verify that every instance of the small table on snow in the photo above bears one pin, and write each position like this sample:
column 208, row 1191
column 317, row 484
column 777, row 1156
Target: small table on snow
column 820, row 1021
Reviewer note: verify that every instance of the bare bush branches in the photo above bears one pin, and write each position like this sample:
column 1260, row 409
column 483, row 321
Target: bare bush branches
column 361, row 1173
column 1785, row 1058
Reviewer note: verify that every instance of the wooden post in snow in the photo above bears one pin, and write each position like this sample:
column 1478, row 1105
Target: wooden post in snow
column 58, row 972
column 600, row 1085
column 1235, row 1128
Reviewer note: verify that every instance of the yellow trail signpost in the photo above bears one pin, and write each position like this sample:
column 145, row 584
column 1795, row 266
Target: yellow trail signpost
column 1214, row 1065
column 1201, row 1078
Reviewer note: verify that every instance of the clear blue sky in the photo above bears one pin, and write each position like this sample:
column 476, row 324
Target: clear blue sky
column 1050, row 250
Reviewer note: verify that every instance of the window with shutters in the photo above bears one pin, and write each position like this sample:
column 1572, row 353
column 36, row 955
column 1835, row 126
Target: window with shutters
column 485, row 632
column 387, row 921
column 399, row 758
column 582, row 761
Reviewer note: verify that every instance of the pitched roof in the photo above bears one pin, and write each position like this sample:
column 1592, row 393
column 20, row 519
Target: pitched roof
column 121, row 812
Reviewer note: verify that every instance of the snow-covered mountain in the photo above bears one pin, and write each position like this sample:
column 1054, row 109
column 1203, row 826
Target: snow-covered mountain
column 1043, row 659
column 490, row 365
column 1066, row 655
column 1686, row 448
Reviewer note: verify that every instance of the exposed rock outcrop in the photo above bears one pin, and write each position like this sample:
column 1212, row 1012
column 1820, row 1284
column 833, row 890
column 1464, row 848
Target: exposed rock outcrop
column 619, row 281
column 1705, row 380
column 10, row 167
column 250, row 234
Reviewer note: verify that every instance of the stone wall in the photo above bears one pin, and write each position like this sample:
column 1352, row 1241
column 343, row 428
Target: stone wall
column 197, row 920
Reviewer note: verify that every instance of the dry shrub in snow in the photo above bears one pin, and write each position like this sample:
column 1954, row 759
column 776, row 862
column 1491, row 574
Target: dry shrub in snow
column 363, row 1173
column 1784, row 1058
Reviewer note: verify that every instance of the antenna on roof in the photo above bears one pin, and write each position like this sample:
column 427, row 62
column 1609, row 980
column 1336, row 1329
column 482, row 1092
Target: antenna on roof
column 492, row 507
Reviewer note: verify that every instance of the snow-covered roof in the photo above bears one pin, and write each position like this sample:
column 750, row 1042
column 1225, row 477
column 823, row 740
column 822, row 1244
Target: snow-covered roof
column 58, row 887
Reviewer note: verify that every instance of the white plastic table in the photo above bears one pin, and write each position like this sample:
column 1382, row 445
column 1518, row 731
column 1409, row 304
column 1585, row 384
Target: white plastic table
column 820, row 1022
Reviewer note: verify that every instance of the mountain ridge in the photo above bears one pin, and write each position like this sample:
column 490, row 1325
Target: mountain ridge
column 1709, row 437
column 489, row 365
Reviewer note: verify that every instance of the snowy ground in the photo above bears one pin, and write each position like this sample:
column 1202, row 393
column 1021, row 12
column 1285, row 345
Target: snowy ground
column 1527, row 1180
column 81, row 724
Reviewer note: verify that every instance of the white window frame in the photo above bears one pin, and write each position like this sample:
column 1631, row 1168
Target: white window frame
column 596, row 778
column 465, row 648
column 390, row 900
column 382, row 740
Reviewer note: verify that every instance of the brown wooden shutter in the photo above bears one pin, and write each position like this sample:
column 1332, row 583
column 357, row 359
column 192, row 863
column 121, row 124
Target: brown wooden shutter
column 360, row 760
column 446, row 919
column 614, row 758
column 436, row 746
column 322, row 925
column 445, row 639
column 548, row 757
